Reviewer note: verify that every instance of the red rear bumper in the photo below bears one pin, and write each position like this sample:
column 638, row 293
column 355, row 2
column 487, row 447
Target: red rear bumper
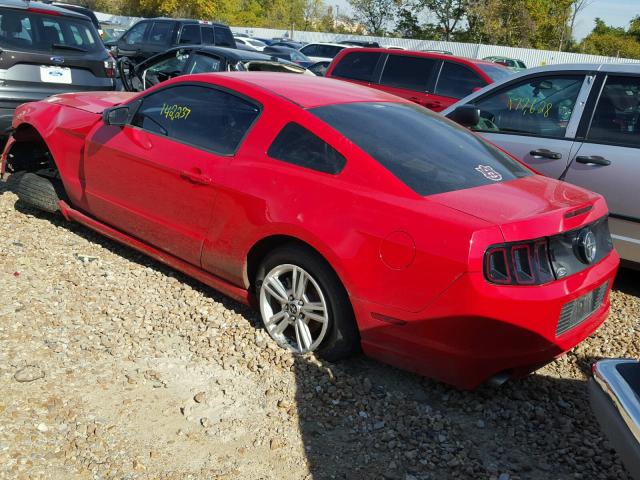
column 475, row 330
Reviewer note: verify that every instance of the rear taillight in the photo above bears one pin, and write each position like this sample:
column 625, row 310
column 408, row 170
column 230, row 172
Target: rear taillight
column 519, row 263
column 110, row 66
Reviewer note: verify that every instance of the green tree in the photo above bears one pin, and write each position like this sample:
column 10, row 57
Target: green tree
column 374, row 15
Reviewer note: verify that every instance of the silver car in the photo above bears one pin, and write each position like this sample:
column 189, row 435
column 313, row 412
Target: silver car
column 579, row 123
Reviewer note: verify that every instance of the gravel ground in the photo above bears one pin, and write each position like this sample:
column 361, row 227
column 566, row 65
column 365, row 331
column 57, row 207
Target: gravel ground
column 114, row 366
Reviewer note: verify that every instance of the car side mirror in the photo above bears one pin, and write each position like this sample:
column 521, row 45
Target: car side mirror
column 466, row 115
column 116, row 116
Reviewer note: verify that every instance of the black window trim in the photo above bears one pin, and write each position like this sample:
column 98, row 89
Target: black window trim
column 512, row 82
column 463, row 65
column 140, row 101
column 592, row 104
column 307, row 169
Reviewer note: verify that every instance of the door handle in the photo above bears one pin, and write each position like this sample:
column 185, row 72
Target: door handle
column 196, row 176
column 543, row 152
column 593, row 160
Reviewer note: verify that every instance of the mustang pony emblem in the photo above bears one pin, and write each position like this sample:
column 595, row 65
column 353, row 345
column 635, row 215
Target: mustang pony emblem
column 489, row 172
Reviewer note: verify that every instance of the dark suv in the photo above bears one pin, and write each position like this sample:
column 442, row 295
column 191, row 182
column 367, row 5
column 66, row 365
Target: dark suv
column 47, row 50
column 150, row 37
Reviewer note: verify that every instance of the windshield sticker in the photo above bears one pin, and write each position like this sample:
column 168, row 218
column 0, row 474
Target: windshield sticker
column 531, row 106
column 489, row 172
column 175, row 112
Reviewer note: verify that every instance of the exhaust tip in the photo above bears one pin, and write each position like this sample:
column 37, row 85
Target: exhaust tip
column 499, row 378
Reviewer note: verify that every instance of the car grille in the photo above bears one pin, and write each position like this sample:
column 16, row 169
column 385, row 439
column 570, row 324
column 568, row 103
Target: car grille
column 576, row 311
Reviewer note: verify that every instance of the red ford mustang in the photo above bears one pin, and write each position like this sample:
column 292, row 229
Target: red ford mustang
column 349, row 217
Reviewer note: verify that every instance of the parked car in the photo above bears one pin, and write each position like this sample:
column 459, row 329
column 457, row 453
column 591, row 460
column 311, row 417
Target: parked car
column 615, row 399
column 290, row 54
column 578, row 123
column 287, row 43
column 47, row 50
column 432, row 80
column 254, row 44
column 322, row 52
column 266, row 41
column 84, row 11
column 150, row 37
column 197, row 59
column 319, row 68
column 360, row 43
column 111, row 33
column 513, row 63
column 443, row 254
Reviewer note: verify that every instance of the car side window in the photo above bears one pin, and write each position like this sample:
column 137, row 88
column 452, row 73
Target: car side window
column 297, row 145
column 202, row 63
column 310, row 50
column 616, row 118
column 357, row 66
column 136, row 34
column 207, row 34
column 190, row 35
column 405, row 71
column 223, row 37
column 160, row 33
column 540, row 106
column 457, row 81
column 200, row 116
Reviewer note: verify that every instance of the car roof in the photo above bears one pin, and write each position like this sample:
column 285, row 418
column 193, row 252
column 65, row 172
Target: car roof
column 43, row 7
column 187, row 20
column 418, row 53
column 310, row 92
column 327, row 43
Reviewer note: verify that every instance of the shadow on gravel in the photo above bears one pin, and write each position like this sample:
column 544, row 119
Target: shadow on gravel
column 363, row 420
column 628, row 281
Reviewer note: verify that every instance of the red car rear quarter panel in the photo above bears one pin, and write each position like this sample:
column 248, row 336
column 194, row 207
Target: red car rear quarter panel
column 346, row 217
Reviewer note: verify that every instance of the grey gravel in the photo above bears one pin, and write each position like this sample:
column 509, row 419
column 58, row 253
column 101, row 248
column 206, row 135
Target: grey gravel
column 139, row 372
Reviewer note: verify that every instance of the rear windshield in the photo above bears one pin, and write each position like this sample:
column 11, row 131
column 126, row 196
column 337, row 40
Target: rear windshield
column 425, row 151
column 495, row 73
column 24, row 30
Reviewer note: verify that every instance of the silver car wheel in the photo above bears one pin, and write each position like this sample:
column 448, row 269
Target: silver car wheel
column 293, row 308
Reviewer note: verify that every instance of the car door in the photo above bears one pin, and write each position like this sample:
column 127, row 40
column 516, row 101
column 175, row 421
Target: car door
column 535, row 119
column 410, row 77
column 608, row 161
column 159, row 38
column 156, row 178
column 129, row 44
column 455, row 81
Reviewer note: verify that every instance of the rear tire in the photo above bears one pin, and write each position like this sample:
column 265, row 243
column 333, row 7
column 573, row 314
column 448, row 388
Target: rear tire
column 324, row 295
column 39, row 192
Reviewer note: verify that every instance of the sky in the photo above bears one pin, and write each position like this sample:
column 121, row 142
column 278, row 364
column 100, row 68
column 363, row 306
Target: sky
column 617, row 13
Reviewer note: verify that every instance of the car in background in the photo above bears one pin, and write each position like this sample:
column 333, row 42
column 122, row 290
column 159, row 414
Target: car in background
column 512, row 63
column 432, row 80
column 287, row 43
column 197, row 59
column 322, row 52
column 360, row 43
column 319, row 68
column 290, row 54
column 614, row 391
column 152, row 36
column 83, row 11
column 252, row 43
column 266, row 41
column 112, row 33
column 579, row 123
column 443, row 255
column 47, row 50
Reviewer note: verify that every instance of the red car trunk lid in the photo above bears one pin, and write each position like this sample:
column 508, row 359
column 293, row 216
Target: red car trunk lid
column 529, row 207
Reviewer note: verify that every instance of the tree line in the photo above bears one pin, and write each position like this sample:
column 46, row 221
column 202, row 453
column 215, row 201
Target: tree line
column 541, row 24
